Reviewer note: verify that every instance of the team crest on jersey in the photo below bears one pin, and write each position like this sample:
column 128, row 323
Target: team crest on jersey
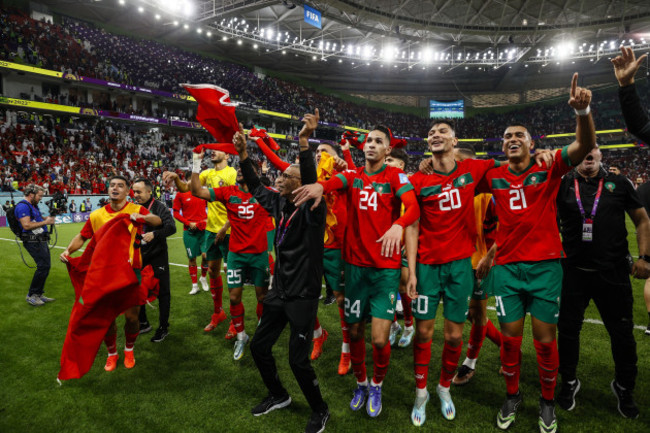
column 610, row 186
column 533, row 179
column 461, row 181
column 403, row 178
column 380, row 189
column 220, row 182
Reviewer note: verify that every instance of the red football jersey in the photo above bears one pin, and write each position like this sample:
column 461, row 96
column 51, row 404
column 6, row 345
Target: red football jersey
column 526, row 209
column 373, row 206
column 248, row 219
column 447, row 218
column 192, row 208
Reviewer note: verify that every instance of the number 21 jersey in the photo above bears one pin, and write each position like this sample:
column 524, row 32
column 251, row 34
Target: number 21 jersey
column 526, row 209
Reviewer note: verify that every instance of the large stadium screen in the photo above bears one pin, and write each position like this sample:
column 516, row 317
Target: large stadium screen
column 446, row 109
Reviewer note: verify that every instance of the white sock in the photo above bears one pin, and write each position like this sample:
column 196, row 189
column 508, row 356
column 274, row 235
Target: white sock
column 421, row 392
column 471, row 363
column 128, row 350
column 443, row 388
column 318, row 332
column 241, row 335
column 345, row 347
column 112, row 354
column 364, row 383
column 372, row 383
column 408, row 328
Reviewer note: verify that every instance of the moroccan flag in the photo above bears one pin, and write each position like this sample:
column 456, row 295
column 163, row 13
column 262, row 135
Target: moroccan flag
column 216, row 112
column 224, row 147
column 105, row 285
column 271, row 156
column 268, row 140
column 150, row 284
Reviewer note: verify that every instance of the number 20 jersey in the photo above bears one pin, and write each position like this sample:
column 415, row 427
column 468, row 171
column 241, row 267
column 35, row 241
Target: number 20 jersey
column 526, row 209
column 373, row 206
column 447, row 217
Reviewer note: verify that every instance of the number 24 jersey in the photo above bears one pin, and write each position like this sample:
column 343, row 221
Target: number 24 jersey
column 373, row 206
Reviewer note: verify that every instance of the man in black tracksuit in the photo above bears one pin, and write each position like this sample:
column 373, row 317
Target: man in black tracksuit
column 293, row 296
column 592, row 204
column 154, row 253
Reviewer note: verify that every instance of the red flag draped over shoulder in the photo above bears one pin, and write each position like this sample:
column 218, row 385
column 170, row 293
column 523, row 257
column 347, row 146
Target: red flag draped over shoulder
column 216, row 113
column 105, row 286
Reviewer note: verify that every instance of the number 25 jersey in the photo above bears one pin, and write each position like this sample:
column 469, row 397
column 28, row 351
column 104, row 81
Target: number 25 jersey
column 373, row 206
column 526, row 209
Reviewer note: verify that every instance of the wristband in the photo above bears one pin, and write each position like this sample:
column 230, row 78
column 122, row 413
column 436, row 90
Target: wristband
column 196, row 164
column 584, row 112
column 644, row 258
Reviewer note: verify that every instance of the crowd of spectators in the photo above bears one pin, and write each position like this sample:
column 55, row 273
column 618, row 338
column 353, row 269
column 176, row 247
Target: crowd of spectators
column 76, row 156
column 94, row 52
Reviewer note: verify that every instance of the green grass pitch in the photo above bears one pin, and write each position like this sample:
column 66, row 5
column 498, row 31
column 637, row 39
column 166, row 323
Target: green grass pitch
column 190, row 383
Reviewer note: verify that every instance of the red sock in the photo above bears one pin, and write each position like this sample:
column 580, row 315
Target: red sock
column 237, row 315
column 193, row 274
column 511, row 362
column 204, row 270
column 547, row 364
column 408, row 311
column 344, row 326
column 476, row 337
column 111, row 343
column 421, row 360
column 216, row 289
column 316, row 324
column 493, row 333
column 450, row 357
column 130, row 340
column 380, row 359
column 271, row 264
column 259, row 310
column 358, row 358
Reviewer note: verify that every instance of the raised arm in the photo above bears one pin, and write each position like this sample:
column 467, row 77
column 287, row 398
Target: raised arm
column 636, row 117
column 307, row 164
column 170, row 176
column 195, row 182
column 579, row 100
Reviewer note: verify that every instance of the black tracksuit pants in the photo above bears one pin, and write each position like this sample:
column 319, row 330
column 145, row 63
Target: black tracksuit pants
column 301, row 315
column 612, row 293
column 160, row 267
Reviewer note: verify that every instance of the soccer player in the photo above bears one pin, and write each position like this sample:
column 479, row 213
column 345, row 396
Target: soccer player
column 527, row 276
column 371, row 252
column 190, row 211
column 118, row 190
column 333, row 269
column 215, row 242
column 444, row 268
column 482, row 326
column 248, row 252
column 399, row 158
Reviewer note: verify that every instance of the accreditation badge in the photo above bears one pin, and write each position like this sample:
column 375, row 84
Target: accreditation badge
column 587, row 230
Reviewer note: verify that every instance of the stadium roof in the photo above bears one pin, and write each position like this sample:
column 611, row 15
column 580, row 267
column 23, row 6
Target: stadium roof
column 395, row 46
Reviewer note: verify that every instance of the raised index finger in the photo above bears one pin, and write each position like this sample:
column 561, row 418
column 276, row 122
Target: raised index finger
column 574, row 84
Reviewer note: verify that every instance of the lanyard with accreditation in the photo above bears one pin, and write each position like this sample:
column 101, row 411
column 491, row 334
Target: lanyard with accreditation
column 588, row 223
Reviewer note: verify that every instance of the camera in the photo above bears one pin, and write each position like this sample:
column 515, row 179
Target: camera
column 58, row 204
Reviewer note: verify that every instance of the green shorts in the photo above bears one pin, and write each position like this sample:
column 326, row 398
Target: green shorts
column 193, row 240
column 405, row 262
column 522, row 287
column 479, row 293
column 270, row 237
column 370, row 292
column 333, row 269
column 256, row 266
column 212, row 250
column 453, row 282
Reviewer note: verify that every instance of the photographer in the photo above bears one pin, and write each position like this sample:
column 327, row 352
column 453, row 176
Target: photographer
column 35, row 237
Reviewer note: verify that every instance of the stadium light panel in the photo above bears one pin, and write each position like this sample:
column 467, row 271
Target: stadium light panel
column 367, row 52
column 185, row 26
column 388, row 53
column 269, row 34
column 239, row 42
column 175, row 22
column 209, row 34
column 427, row 55
column 157, row 16
column 564, row 50
column 122, row 2
column 255, row 46
column 140, row 9
column 199, row 30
